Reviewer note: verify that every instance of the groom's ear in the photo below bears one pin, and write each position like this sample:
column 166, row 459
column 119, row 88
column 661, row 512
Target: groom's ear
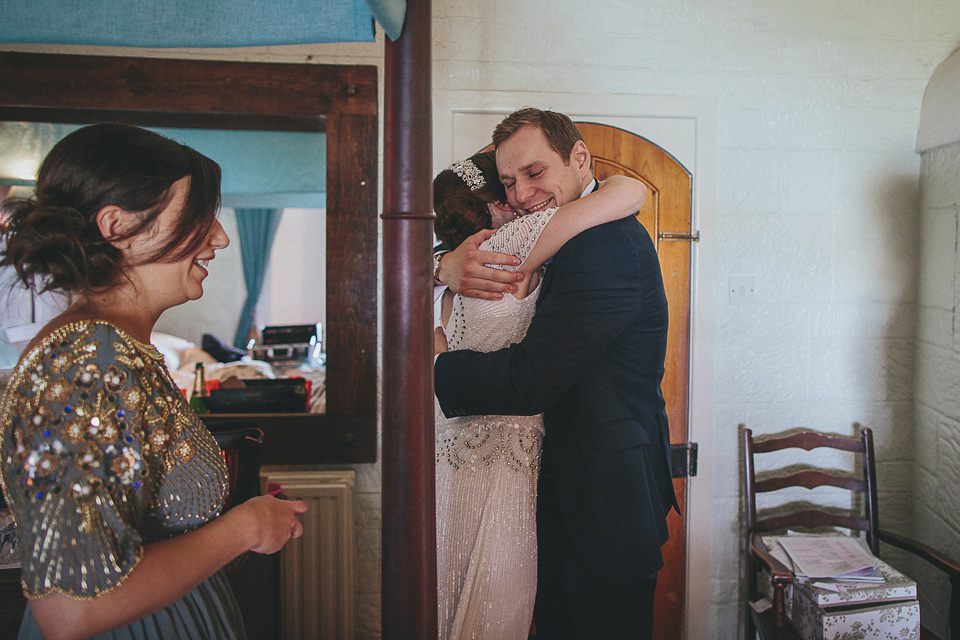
column 580, row 157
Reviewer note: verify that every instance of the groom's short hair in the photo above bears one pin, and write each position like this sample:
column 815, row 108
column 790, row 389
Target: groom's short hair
column 559, row 130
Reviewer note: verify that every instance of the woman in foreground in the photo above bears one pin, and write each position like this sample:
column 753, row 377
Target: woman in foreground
column 487, row 465
column 116, row 487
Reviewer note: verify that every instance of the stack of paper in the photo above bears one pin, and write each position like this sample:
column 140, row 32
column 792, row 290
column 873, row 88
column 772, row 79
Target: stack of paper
column 840, row 558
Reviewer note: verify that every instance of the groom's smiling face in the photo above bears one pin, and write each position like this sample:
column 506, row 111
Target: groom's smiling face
column 537, row 177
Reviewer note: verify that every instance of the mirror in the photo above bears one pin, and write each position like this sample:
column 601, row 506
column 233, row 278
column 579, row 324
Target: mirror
column 339, row 101
column 276, row 174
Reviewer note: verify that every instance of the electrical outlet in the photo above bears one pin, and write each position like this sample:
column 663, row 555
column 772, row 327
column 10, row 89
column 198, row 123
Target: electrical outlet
column 742, row 290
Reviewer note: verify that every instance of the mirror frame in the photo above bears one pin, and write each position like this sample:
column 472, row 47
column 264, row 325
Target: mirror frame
column 338, row 99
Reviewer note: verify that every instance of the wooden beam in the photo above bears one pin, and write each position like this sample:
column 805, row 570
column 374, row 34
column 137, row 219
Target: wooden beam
column 314, row 123
column 166, row 85
column 409, row 594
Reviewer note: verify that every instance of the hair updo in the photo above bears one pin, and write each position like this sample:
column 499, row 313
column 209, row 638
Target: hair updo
column 52, row 239
column 461, row 212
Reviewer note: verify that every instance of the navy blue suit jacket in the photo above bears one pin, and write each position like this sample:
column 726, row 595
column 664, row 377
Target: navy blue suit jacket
column 592, row 363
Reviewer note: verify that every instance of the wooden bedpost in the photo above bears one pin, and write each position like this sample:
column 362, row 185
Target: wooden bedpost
column 409, row 595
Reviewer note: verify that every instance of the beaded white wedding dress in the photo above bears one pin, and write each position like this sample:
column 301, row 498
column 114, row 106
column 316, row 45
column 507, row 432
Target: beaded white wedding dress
column 487, row 476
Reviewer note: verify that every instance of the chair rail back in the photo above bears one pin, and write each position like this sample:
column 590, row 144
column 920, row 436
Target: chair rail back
column 773, row 625
column 866, row 521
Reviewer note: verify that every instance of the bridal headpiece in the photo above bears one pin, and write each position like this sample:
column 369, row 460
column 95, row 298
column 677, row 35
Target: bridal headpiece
column 469, row 173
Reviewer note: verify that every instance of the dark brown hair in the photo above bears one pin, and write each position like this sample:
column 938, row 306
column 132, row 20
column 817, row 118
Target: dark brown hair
column 559, row 130
column 461, row 212
column 52, row 239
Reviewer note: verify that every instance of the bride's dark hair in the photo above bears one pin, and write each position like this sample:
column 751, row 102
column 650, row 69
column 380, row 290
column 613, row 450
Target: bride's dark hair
column 52, row 239
column 460, row 198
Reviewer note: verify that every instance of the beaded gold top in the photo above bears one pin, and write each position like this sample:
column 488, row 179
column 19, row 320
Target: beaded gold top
column 101, row 454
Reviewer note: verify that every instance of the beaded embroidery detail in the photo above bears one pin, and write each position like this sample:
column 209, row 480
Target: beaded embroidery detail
column 484, row 325
column 486, row 476
column 100, row 454
column 510, row 440
column 517, row 237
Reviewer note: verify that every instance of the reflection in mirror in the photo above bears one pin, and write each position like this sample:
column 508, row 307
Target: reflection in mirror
column 22, row 314
column 294, row 293
column 338, row 100
column 294, row 284
column 280, row 175
column 22, row 147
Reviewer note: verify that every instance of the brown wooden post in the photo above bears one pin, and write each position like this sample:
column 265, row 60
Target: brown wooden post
column 409, row 580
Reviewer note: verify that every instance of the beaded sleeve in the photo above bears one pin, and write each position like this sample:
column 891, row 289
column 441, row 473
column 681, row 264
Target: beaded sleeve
column 88, row 432
column 519, row 236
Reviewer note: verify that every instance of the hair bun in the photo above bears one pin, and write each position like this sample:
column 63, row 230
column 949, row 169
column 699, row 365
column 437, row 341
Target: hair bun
column 54, row 240
column 53, row 248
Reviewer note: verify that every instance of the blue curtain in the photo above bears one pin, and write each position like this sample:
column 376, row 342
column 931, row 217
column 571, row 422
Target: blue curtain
column 198, row 23
column 256, row 228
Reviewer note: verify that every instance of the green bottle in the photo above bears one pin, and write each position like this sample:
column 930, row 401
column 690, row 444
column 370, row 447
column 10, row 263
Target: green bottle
column 198, row 399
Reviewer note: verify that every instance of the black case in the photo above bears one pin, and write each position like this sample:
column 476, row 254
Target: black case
column 283, row 395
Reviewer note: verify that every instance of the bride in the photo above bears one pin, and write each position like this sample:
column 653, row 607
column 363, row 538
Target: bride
column 486, row 466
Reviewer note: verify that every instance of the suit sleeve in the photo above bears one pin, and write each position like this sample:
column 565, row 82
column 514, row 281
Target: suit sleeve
column 595, row 295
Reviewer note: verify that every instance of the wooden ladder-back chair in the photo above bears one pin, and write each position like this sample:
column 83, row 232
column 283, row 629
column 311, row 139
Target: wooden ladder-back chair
column 862, row 517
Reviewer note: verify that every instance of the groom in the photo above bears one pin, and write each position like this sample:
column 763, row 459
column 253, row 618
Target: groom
column 591, row 362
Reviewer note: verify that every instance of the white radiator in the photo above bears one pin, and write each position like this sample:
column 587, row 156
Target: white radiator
column 317, row 587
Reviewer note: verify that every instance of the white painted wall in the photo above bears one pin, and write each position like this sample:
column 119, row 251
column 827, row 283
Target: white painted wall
column 935, row 499
column 295, row 285
column 818, row 106
column 936, row 503
column 816, row 197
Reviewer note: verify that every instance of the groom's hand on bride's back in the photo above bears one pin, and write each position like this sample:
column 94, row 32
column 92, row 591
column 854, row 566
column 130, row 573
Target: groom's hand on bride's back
column 465, row 270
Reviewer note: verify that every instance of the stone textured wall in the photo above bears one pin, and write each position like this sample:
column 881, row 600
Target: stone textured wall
column 936, row 504
column 817, row 104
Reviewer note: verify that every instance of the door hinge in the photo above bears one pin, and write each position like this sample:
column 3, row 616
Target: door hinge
column 679, row 235
column 684, row 459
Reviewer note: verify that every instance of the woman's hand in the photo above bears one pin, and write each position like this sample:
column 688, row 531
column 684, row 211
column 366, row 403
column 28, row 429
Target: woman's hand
column 171, row 567
column 465, row 270
column 270, row 522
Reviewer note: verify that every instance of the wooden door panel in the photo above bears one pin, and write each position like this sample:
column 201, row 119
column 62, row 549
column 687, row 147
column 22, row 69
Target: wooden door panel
column 675, row 265
column 667, row 209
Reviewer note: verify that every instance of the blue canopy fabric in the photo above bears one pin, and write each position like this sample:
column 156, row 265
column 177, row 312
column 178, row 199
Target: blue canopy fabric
column 263, row 168
column 198, row 23
column 260, row 168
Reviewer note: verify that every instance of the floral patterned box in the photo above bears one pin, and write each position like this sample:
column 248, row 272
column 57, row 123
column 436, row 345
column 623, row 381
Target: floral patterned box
column 898, row 620
column 853, row 611
column 895, row 586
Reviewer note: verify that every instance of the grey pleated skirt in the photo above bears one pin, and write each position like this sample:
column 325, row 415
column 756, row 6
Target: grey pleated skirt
column 208, row 612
